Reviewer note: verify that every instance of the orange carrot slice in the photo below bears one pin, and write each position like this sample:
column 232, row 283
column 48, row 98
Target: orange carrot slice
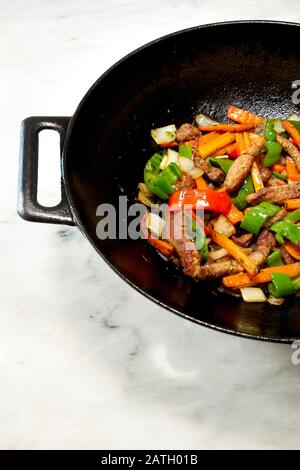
column 235, row 251
column 236, row 281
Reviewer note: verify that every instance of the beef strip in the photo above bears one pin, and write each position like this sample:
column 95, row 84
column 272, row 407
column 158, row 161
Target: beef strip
column 273, row 181
column 238, row 172
column 265, row 174
column 187, row 132
column 276, row 218
column 215, row 175
column 291, row 149
column 287, row 258
column 243, row 240
column 275, row 194
column 224, row 268
column 264, row 244
column 186, row 249
column 185, row 182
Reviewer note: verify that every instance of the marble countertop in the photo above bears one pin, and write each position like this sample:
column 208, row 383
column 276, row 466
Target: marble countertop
column 85, row 361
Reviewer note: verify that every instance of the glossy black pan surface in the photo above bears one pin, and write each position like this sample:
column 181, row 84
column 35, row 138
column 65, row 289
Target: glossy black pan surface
column 205, row 69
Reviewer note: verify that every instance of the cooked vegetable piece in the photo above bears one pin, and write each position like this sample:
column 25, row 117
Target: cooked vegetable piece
column 291, row 149
column 291, row 170
column 208, row 148
column 235, row 215
column 291, row 129
column 240, row 200
column 202, row 120
column 256, row 177
column 161, row 182
column 237, row 281
column 274, row 259
column 235, row 251
column 222, row 225
column 155, row 224
column 204, row 199
column 253, row 294
column 161, row 245
column 222, row 163
column 257, row 216
column 279, row 176
column 293, row 216
column 201, row 183
column 281, row 285
column 273, row 153
column 226, row 127
column 293, row 250
column 243, row 116
column 292, row 204
column 286, row 229
column 185, row 151
column 164, row 135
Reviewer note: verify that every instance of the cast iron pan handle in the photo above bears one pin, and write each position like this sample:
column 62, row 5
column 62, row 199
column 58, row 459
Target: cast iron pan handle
column 28, row 206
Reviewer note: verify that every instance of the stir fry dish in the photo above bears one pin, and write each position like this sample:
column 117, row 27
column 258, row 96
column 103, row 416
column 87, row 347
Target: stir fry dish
column 232, row 193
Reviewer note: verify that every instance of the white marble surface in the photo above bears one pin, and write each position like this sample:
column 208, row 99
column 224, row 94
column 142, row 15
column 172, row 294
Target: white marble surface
column 86, row 362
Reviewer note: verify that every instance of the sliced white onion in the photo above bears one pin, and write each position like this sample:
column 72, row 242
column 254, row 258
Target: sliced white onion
column 278, row 127
column 222, row 225
column 203, row 120
column 155, row 224
column 185, row 164
column 253, row 294
column 144, row 189
column 172, row 156
column 195, row 173
column 275, row 301
column 218, row 254
column 163, row 163
column 144, row 199
column 294, row 117
column 164, row 135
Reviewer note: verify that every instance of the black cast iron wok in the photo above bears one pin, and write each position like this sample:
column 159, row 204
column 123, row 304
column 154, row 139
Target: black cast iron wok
column 106, row 143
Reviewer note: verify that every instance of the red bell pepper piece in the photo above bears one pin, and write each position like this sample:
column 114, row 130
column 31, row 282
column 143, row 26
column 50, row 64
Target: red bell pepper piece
column 204, row 199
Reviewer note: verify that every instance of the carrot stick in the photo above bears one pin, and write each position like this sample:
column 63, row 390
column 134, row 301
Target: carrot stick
column 227, row 150
column 161, row 245
column 211, row 147
column 256, row 177
column 288, row 126
column 246, row 139
column 278, row 168
column 227, row 127
column 235, row 251
column 293, row 250
column 240, row 141
column 291, row 170
column 292, row 204
column 234, row 215
column 236, row 281
column 201, row 183
column 242, row 116
column 208, row 137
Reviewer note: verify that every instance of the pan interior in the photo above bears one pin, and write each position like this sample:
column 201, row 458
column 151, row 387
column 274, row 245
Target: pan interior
column 206, row 69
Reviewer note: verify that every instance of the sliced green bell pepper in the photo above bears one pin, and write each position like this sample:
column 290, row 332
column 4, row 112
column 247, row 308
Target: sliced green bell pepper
column 257, row 216
column 293, row 216
column 286, row 228
column 240, row 199
column 185, row 151
column 273, row 153
column 273, row 147
column 223, row 163
column 274, row 259
column 196, row 232
column 270, row 133
column 279, row 176
column 161, row 182
column 281, row 285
